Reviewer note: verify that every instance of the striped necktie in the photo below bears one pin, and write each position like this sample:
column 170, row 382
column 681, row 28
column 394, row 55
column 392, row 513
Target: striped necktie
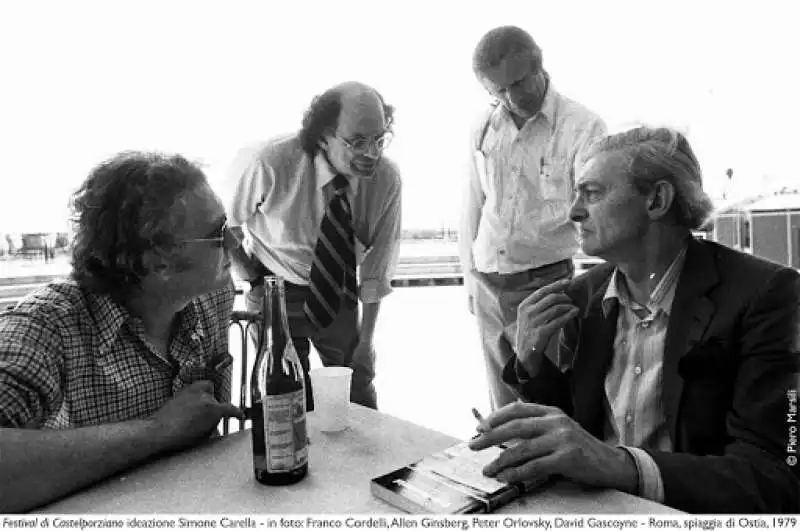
column 333, row 274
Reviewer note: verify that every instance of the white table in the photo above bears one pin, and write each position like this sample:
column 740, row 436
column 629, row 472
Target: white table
column 217, row 477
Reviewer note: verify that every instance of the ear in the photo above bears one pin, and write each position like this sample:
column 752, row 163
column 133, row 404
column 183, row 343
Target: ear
column 659, row 200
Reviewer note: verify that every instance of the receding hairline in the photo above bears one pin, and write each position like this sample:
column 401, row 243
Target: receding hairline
column 355, row 91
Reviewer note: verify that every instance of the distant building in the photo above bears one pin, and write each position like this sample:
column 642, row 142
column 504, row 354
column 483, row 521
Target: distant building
column 767, row 226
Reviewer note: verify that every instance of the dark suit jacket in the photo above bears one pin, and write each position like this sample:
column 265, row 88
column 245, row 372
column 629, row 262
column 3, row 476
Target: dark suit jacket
column 731, row 355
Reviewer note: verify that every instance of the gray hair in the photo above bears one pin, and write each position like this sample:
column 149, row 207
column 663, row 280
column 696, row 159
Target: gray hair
column 662, row 154
column 501, row 42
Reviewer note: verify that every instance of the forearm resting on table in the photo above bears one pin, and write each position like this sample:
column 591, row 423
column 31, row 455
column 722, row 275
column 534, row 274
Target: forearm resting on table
column 39, row 466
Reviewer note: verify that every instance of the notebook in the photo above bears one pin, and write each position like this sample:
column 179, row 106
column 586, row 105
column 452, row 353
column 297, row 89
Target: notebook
column 449, row 482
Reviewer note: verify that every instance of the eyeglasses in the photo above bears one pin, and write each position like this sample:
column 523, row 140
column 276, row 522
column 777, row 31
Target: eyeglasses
column 221, row 237
column 360, row 146
column 500, row 93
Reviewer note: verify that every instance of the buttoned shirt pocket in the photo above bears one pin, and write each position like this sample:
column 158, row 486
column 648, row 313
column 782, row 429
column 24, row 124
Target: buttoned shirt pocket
column 555, row 187
column 555, row 182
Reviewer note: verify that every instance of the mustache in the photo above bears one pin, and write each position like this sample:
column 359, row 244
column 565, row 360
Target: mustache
column 364, row 164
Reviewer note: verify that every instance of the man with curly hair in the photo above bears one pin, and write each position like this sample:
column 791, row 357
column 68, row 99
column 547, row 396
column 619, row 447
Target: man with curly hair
column 128, row 358
column 312, row 207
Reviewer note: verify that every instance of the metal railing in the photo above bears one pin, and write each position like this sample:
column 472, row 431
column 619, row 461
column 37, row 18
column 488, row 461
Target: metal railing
column 411, row 272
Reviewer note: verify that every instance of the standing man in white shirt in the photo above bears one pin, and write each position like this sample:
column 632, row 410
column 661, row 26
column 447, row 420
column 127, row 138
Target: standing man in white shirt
column 314, row 206
column 515, row 234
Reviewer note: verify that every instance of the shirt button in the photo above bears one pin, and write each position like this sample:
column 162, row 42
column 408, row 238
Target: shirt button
column 645, row 324
column 637, row 370
column 502, row 251
column 628, row 418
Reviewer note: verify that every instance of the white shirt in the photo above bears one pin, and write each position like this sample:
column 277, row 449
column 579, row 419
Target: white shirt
column 278, row 195
column 515, row 214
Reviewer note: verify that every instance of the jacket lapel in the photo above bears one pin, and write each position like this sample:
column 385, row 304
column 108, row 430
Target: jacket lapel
column 592, row 361
column 689, row 317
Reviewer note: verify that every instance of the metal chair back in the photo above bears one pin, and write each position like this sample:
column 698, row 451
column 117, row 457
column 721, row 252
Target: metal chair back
column 246, row 324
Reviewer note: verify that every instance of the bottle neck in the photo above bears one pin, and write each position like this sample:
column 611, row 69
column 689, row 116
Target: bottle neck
column 277, row 309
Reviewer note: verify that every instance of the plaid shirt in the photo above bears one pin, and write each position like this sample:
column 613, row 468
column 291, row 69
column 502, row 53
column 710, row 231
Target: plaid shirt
column 71, row 358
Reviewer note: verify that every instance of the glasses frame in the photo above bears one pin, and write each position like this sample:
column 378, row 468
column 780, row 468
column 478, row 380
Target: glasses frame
column 220, row 240
column 386, row 138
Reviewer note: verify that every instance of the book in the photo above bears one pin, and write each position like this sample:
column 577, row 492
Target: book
column 449, row 482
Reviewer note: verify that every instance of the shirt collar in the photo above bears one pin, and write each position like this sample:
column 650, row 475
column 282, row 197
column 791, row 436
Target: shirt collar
column 113, row 315
column 325, row 174
column 547, row 110
column 660, row 298
column 110, row 316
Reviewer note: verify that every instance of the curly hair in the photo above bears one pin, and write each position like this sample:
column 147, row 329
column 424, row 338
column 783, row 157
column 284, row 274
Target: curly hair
column 127, row 206
column 660, row 153
column 501, row 42
column 322, row 117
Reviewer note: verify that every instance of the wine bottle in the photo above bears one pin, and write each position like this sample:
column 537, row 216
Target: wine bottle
column 278, row 396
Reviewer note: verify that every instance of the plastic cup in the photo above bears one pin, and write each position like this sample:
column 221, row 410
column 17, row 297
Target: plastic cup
column 331, row 389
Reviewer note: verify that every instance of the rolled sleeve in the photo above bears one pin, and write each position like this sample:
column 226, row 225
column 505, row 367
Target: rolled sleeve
column 29, row 376
column 380, row 262
column 246, row 182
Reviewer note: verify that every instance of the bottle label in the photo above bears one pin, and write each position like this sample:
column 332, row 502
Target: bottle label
column 285, row 427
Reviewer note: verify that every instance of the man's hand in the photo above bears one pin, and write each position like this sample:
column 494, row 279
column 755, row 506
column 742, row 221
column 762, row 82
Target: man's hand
column 540, row 316
column 471, row 280
column 548, row 442
column 191, row 415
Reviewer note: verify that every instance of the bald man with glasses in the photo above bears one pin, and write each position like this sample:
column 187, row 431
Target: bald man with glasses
column 321, row 208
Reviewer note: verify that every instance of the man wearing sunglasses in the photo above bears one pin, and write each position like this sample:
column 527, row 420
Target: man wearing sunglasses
column 129, row 357
column 321, row 208
column 515, row 234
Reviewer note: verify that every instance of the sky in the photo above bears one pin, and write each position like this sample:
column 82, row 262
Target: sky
column 82, row 80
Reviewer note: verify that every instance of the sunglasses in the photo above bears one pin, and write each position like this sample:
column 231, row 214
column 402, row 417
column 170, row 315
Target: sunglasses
column 221, row 237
